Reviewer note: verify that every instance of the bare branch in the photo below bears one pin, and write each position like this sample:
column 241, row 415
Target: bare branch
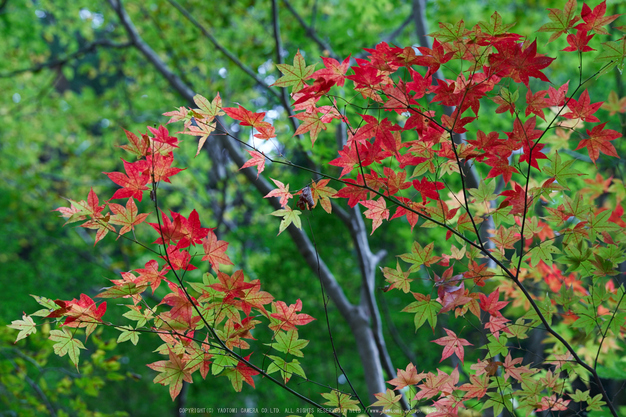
column 221, row 48
column 310, row 32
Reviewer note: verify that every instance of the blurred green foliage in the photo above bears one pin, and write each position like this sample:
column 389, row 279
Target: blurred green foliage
column 62, row 107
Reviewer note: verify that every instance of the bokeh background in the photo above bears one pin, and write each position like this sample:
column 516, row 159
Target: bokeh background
column 71, row 79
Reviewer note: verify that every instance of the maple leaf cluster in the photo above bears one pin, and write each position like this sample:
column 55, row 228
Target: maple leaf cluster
column 413, row 153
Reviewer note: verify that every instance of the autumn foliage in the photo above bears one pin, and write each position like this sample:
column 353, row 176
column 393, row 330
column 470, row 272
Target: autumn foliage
column 413, row 155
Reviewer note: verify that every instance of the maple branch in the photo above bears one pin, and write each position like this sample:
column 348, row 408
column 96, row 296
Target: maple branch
column 352, row 314
column 284, row 96
column 214, row 334
column 302, row 241
column 393, row 35
column 310, row 32
column 468, row 172
column 59, row 62
column 136, row 40
column 515, row 277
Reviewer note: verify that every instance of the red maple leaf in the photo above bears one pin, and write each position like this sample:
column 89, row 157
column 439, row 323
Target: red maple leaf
column 288, row 316
column 407, row 377
column 595, row 19
column 428, row 189
column 534, row 155
column 258, row 160
column 500, row 166
column 83, row 313
column 517, row 199
column 536, row 103
column 232, row 286
column 182, row 305
column 163, row 135
column 215, row 251
column 245, row 372
column 282, row 191
column 579, row 42
column 557, row 97
column 377, row 211
column 334, row 71
column 520, row 65
column 433, row 58
column 255, row 298
column 178, row 259
column 598, row 141
column 490, row 304
column 151, row 274
column 353, row 193
column 191, row 230
column 133, row 182
column 246, row 117
column 411, row 216
column 161, row 167
column 583, row 109
column 477, row 388
column 365, row 76
column 452, row 344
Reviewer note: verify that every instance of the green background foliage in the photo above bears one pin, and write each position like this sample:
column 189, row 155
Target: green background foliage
column 60, row 124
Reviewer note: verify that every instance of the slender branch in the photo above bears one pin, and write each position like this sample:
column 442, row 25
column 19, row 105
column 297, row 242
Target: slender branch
column 34, row 386
column 310, row 32
column 221, row 48
column 284, row 96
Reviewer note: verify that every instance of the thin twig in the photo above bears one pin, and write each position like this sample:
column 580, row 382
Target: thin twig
column 310, row 32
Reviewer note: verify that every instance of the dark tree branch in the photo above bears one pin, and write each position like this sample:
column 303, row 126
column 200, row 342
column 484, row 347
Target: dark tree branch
column 221, row 48
column 310, row 32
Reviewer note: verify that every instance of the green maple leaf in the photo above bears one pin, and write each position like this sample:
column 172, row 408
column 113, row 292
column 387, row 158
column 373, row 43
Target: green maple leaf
column 485, row 192
column 135, row 314
column 600, row 223
column 585, row 321
column 288, row 342
column 389, row 401
column 289, row 216
column 26, row 326
column 580, row 396
column 49, row 305
column 294, row 75
column 562, row 20
column 397, row 278
column 595, row 403
column 614, row 104
column 342, row 402
column 449, row 32
column 543, row 252
column 497, row 346
column 208, row 110
column 287, row 369
column 503, row 215
column 562, row 171
column 420, row 256
column 122, row 290
column 495, row 27
column 66, row 344
column 613, row 53
column 424, row 309
column 128, row 334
